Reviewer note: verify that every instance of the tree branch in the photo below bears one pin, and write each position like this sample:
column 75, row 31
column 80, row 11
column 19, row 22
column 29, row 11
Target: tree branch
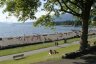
column 62, row 9
column 60, row 4
column 92, row 2
column 72, row 11
column 76, row 4
column 81, row 3
column 78, row 15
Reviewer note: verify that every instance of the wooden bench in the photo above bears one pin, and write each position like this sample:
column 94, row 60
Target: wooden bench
column 19, row 56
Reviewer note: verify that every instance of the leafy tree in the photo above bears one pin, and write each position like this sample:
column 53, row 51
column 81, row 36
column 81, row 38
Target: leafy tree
column 77, row 23
column 94, row 21
column 25, row 9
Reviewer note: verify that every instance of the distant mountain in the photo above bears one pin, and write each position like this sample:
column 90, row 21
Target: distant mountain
column 64, row 17
column 61, row 18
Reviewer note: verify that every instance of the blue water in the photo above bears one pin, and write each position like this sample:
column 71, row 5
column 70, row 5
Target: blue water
column 13, row 30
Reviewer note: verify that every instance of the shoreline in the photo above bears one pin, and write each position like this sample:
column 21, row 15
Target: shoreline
column 33, row 39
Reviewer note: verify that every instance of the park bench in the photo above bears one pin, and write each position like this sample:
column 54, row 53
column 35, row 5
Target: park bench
column 19, row 56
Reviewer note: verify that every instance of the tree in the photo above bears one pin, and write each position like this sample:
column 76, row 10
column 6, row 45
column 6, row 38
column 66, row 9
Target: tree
column 94, row 21
column 25, row 9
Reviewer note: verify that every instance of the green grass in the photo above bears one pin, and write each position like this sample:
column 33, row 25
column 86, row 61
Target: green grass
column 43, row 56
column 92, row 40
column 35, row 47
column 32, row 47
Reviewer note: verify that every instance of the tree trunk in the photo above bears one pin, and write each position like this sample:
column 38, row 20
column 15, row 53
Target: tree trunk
column 85, row 23
column 84, row 35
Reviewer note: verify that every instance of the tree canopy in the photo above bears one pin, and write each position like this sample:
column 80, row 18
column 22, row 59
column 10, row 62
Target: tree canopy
column 94, row 21
column 25, row 9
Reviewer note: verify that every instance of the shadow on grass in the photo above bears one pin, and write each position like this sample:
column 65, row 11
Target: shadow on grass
column 88, row 59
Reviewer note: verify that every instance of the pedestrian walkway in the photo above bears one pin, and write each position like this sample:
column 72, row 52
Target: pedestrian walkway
column 10, row 57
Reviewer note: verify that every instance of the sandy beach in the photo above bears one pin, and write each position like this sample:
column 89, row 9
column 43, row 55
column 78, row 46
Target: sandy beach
column 23, row 40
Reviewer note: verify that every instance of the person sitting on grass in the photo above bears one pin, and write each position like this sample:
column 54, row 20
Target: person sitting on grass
column 50, row 52
column 53, row 52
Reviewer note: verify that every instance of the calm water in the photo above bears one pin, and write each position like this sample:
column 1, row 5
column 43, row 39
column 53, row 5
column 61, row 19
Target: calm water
column 12, row 30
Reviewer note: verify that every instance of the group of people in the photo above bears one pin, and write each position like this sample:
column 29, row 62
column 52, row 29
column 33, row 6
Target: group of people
column 53, row 52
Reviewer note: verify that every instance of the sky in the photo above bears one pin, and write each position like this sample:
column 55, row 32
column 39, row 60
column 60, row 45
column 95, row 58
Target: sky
column 12, row 19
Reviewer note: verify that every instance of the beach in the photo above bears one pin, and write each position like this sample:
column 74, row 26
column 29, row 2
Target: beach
column 33, row 39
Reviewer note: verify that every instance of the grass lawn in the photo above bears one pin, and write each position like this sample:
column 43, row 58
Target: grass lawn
column 32, row 47
column 92, row 40
column 38, row 46
column 43, row 56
